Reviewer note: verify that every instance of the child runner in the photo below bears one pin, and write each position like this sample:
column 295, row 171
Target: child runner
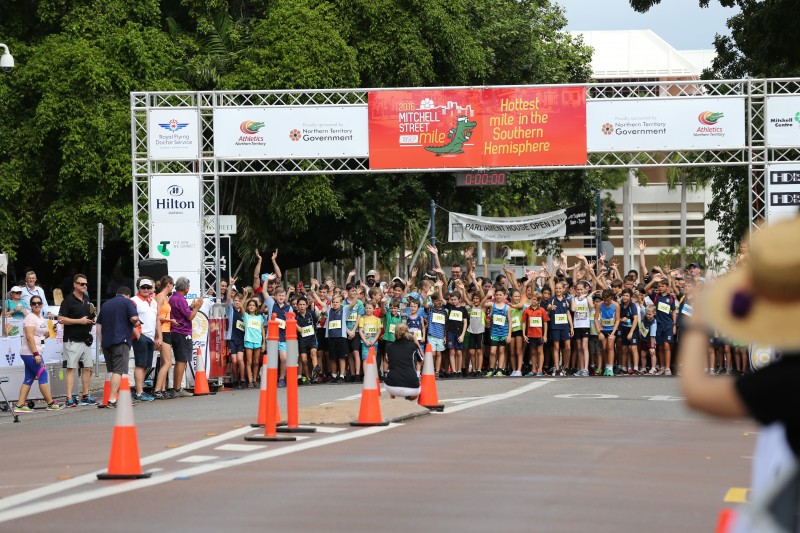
column 437, row 320
column 355, row 311
column 582, row 323
column 279, row 308
column 516, row 346
column 647, row 337
column 321, row 305
column 236, row 340
column 456, row 330
column 476, row 327
column 607, row 322
column 253, row 339
column 416, row 322
column 561, row 328
column 595, row 346
column 369, row 331
column 336, row 335
column 628, row 333
column 535, row 332
column 666, row 308
column 500, row 320
column 307, row 341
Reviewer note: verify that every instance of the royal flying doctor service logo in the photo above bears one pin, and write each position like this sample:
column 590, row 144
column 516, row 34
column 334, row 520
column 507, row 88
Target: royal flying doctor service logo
column 173, row 125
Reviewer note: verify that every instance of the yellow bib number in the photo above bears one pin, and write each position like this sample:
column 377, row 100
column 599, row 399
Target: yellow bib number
column 457, row 316
column 535, row 322
column 335, row 324
column 499, row 320
column 306, row 331
column 391, row 328
column 437, row 318
column 664, row 307
column 516, row 322
column 561, row 318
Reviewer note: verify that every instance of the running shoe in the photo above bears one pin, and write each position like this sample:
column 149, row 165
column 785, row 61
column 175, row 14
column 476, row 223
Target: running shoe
column 582, row 373
column 608, row 373
column 667, row 372
column 88, row 400
column 653, row 371
column 598, row 371
column 303, row 380
column 183, row 393
column 562, row 373
column 160, row 395
column 631, row 372
column 340, row 379
column 315, row 373
column 281, row 383
column 530, row 375
column 54, row 406
column 111, row 405
column 539, row 374
column 72, row 402
column 144, row 397
column 22, row 409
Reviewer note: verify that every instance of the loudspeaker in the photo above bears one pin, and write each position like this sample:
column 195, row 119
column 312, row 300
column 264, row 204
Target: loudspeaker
column 154, row 269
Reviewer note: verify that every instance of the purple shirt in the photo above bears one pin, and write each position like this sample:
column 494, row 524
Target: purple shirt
column 181, row 313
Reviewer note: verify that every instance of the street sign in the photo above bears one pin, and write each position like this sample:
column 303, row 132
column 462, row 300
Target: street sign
column 227, row 224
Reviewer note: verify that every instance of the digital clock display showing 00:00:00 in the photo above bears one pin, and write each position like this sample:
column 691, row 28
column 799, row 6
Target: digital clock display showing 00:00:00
column 468, row 179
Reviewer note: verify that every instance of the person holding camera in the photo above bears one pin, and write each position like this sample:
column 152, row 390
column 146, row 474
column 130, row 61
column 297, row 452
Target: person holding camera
column 77, row 315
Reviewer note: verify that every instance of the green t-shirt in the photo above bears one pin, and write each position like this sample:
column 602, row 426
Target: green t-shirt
column 391, row 322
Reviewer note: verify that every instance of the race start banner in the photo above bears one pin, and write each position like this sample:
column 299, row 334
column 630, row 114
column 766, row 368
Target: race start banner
column 471, row 228
column 477, row 128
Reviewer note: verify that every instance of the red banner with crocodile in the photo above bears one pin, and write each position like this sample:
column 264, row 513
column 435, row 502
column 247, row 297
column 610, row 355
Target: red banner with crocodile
column 477, row 128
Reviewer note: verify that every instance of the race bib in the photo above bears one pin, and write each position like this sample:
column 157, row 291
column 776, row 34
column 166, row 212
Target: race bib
column 306, row 331
column 281, row 324
column 352, row 317
column 475, row 313
column 561, row 318
column 607, row 322
column 335, row 324
column 371, row 330
column 253, row 323
column 516, row 322
column 687, row 310
column 391, row 328
column 535, row 322
column 437, row 318
column 581, row 312
column 417, row 334
column 664, row 307
column 458, row 316
column 240, row 325
column 499, row 320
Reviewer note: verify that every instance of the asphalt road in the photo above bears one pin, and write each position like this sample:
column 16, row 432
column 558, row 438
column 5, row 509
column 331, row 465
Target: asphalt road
column 620, row 454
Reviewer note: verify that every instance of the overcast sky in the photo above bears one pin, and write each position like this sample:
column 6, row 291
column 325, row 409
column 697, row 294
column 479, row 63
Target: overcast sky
column 682, row 23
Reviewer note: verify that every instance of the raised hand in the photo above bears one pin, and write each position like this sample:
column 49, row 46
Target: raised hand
column 642, row 246
column 432, row 249
column 414, row 271
column 352, row 273
column 469, row 253
column 603, row 256
column 271, row 277
column 258, row 255
column 275, row 254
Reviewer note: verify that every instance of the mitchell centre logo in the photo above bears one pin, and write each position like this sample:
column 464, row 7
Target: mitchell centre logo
column 173, row 125
column 786, row 122
column 709, row 126
column 250, row 133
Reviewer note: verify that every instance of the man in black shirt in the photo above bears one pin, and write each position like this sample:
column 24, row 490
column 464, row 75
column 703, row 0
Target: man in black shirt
column 77, row 315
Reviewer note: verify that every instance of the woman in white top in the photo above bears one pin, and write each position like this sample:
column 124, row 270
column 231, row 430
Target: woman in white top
column 35, row 332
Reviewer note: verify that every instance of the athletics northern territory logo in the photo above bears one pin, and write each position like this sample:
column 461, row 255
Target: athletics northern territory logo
column 709, row 124
column 250, row 130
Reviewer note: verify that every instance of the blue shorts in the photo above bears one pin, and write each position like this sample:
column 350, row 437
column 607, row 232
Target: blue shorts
column 282, row 346
column 452, row 341
column 437, row 345
column 663, row 337
column 143, row 352
column 557, row 335
column 365, row 351
column 623, row 334
column 235, row 346
column 34, row 371
column 252, row 345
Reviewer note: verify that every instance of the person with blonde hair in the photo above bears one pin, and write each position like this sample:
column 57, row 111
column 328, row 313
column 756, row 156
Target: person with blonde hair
column 402, row 355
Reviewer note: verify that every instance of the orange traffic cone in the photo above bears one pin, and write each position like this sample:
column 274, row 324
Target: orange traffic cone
column 726, row 520
column 370, row 412
column 292, row 402
column 371, row 360
column 124, row 461
column 428, row 397
column 270, row 399
column 262, row 399
column 200, row 378
column 106, row 392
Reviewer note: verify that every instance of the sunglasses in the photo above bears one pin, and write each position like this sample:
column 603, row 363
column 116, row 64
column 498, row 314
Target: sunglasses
column 84, row 284
column 146, row 287
column 35, row 303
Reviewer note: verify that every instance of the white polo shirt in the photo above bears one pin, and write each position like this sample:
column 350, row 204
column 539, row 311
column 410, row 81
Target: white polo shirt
column 148, row 313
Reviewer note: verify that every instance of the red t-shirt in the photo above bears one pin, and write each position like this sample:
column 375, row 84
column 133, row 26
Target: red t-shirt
column 534, row 321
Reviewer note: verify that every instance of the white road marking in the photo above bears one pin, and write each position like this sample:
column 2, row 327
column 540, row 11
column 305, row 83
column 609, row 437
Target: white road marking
column 239, row 447
column 66, row 485
column 323, row 429
column 497, row 397
column 587, row 396
column 198, row 458
column 42, row 506
column 664, row 398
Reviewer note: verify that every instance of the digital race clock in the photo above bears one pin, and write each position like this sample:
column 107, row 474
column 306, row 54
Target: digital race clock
column 470, row 179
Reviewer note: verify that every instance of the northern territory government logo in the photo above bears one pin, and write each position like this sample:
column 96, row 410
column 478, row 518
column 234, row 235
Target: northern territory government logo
column 250, row 134
column 709, row 126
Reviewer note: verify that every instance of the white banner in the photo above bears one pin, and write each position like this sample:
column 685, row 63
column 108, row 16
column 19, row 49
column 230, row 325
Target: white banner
column 173, row 133
column 471, row 228
column 176, row 231
column 783, row 121
column 783, row 191
column 665, row 124
column 287, row 132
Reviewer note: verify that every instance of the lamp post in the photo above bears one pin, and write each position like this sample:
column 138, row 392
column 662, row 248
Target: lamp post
column 6, row 60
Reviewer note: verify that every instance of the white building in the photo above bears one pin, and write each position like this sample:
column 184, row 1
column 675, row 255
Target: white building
column 642, row 56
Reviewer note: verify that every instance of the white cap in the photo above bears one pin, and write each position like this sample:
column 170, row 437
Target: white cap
column 16, row 288
column 145, row 281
